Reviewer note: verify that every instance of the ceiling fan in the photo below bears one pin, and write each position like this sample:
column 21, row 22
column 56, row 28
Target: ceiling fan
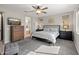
column 38, row 9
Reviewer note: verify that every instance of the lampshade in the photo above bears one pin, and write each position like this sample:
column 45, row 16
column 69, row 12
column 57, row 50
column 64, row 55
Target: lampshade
column 65, row 26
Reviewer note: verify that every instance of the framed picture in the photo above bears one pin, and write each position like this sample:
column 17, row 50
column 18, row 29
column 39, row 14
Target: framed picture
column 13, row 21
column 51, row 20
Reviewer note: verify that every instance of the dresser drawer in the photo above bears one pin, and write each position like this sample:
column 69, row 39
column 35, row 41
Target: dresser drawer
column 66, row 35
column 17, row 33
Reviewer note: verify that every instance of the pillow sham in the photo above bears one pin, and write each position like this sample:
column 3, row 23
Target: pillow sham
column 53, row 29
column 46, row 29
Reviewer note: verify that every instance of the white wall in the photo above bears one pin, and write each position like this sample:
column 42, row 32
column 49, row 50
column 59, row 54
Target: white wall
column 58, row 20
column 76, row 35
column 10, row 13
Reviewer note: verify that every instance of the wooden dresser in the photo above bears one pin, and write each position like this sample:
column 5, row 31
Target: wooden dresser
column 17, row 33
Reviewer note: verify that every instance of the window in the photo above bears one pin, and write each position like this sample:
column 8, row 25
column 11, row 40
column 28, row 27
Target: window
column 77, row 22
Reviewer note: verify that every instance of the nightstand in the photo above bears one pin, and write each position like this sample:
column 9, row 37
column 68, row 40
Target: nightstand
column 67, row 35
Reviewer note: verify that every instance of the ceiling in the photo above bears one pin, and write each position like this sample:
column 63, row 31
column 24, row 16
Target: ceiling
column 53, row 9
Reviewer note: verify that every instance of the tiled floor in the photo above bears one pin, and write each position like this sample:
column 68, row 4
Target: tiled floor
column 66, row 47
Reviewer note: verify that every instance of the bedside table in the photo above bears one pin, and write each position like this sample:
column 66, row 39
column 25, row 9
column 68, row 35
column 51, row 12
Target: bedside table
column 66, row 35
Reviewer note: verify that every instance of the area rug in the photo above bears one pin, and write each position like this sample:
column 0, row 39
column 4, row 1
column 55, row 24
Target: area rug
column 48, row 49
column 34, row 53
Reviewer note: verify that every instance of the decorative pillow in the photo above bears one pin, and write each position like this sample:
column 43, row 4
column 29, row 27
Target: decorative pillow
column 53, row 29
column 46, row 29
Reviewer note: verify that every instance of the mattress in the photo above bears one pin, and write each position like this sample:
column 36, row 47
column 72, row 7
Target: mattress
column 51, row 36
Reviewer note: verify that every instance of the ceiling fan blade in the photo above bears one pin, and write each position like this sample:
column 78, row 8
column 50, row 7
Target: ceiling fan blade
column 29, row 11
column 35, row 7
column 44, row 8
column 44, row 12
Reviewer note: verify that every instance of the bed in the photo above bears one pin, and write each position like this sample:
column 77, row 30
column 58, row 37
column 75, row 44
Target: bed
column 50, row 33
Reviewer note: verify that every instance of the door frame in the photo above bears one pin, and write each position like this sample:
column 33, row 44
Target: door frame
column 28, row 17
column 2, row 26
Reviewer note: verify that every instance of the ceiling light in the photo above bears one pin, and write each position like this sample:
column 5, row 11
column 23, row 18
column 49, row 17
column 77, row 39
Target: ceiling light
column 38, row 11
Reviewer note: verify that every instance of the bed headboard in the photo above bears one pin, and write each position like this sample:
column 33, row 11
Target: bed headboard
column 52, row 26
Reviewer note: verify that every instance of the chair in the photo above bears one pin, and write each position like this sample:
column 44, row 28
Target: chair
column 11, row 49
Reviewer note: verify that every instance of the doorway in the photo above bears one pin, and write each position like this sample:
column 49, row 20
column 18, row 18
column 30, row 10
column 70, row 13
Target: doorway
column 27, row 26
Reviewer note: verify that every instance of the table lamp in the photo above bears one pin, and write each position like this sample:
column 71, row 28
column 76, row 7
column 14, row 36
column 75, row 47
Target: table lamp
column 65, row 27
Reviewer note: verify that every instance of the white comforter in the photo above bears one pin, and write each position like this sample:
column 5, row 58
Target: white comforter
column 51, row 36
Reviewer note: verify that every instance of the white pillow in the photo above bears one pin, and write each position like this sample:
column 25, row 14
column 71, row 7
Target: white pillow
column 46, row 29
column 53, row 29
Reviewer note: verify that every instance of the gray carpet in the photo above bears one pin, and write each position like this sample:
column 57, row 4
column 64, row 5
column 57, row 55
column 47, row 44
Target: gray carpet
column 1, row 48
column 27, row 45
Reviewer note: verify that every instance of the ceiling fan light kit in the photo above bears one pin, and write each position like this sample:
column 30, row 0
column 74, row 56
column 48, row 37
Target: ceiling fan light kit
column 38, row 11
